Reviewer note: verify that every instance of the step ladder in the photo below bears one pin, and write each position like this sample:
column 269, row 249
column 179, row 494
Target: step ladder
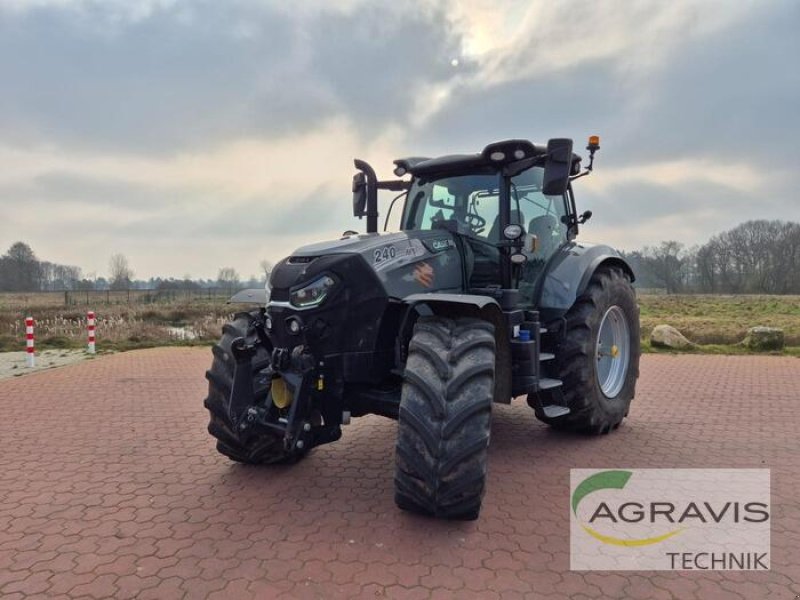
column 559, row 408
column 553, row 411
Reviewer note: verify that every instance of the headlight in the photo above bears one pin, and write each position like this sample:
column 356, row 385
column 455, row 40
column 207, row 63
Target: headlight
column 313, row 294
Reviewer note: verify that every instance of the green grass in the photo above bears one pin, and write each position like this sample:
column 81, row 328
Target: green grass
column 720, row 349
column 719, row 323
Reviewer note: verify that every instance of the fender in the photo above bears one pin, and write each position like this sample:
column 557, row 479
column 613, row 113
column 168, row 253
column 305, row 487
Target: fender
column 568, row 274
column 466, row 305
column 479, row 302
column 252, row 296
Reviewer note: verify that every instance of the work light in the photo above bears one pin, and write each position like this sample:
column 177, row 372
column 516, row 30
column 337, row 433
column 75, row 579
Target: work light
column 513, row 231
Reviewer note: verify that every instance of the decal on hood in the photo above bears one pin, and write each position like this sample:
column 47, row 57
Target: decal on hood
column 396, row 254
column 424, row 274
column 439, row 245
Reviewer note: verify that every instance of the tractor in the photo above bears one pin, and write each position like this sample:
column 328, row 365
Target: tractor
column 484, row 295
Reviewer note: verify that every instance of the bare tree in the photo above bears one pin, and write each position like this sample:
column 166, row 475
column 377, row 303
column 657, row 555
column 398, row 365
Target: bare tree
column 667, row 263
column 120, row 272
column 266, row 267
column 787, row 259
column 228, row 279
column 706, row 268
column 58, row 277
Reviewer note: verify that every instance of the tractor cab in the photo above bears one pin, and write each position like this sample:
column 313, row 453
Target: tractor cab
column 469, row 205
column 510, row 207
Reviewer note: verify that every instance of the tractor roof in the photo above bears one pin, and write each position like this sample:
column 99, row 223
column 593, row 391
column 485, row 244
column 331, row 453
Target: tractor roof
column 493, row 156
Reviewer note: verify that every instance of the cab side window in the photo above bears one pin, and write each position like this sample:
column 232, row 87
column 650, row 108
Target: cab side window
column 545, row 216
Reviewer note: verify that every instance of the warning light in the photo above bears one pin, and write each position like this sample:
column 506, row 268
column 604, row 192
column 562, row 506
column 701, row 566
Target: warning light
column 594, row 141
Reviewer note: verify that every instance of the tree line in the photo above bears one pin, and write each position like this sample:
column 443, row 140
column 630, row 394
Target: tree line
column 22, row 271
column 755, row 257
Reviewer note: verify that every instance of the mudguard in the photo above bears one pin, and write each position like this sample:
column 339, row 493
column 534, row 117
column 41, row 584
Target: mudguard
column 483, row 307
column 478, row 302
column 254, row 296
column 568, row 274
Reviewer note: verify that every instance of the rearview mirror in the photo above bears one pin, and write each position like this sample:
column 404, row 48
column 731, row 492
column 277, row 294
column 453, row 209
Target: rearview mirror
column 557, row 167
column 359, row 195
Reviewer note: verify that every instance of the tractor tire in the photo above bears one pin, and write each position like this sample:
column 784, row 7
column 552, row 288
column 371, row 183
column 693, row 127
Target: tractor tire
column 596, row 388
column 445, row 418
column 245, row 447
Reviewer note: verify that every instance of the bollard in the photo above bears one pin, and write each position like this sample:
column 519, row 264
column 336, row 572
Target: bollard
column 31, row 356
column 90, row 325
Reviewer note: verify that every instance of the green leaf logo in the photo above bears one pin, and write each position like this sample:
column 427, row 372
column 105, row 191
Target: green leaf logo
column 611, row 480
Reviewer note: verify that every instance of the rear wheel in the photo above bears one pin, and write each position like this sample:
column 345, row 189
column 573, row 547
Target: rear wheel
column 246, row 446
column 598, row 357
column 445, row 417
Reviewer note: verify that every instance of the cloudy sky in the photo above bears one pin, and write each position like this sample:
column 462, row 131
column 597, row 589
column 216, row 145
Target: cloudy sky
column 191, row 135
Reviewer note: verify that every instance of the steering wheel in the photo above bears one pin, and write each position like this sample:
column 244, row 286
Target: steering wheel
column 475, row 222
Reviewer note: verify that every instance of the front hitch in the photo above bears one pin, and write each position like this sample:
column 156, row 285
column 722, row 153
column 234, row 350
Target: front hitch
column 297, row 369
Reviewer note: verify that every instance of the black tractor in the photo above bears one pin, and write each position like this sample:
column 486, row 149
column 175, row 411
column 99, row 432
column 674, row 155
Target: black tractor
column 483, row 296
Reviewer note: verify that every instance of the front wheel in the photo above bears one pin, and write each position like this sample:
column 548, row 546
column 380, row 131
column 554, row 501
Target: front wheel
column 445, row 418
column 598, row 357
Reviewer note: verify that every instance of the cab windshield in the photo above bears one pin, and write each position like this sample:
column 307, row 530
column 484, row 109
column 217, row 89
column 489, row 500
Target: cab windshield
column 473, row 202
column 470, row 205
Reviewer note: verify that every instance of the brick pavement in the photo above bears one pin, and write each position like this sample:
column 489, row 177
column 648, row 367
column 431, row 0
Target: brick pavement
column 110, row 488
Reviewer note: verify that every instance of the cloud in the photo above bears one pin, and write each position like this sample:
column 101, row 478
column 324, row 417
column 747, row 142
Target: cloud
column 190, row 135
column 169, row 76
column 694, row 106
column 728, row 94
column 635, row 213
column 176, row 77
column 238, row 202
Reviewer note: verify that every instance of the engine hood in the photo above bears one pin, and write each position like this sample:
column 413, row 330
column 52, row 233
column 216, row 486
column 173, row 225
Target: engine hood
column 404, row 262
column 350, row 244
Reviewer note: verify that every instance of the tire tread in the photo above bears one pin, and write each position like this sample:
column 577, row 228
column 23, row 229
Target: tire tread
column 444, row 418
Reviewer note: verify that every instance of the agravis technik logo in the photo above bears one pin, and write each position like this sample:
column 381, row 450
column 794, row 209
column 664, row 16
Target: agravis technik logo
column 715, row 519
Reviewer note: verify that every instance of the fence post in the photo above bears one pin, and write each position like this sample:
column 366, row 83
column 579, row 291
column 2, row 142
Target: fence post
column 31, row 356
column 90, row 326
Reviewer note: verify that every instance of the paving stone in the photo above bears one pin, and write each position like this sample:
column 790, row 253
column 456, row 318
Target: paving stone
column 110, row 487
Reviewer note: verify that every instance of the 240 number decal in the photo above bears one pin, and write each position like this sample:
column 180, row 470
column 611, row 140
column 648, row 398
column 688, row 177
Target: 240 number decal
column 383, row 254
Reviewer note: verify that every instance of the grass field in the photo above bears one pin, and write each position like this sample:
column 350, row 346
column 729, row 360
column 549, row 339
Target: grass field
column 119, row 326
column 722, row 319
column 717, row 323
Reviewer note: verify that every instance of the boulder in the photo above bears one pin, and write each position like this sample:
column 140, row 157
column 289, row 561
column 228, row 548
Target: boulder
column 666, row 336
column 764, row 338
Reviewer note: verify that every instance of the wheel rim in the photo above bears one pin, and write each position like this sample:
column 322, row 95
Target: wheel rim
column 612, row 352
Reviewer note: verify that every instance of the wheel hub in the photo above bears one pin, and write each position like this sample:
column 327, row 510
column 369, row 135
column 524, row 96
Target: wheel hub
column 612, row 352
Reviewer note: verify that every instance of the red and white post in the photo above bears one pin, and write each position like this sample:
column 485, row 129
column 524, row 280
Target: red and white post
column 31, row 356
column 90, row 324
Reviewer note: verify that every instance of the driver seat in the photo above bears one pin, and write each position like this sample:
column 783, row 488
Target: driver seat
column 543, row 227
